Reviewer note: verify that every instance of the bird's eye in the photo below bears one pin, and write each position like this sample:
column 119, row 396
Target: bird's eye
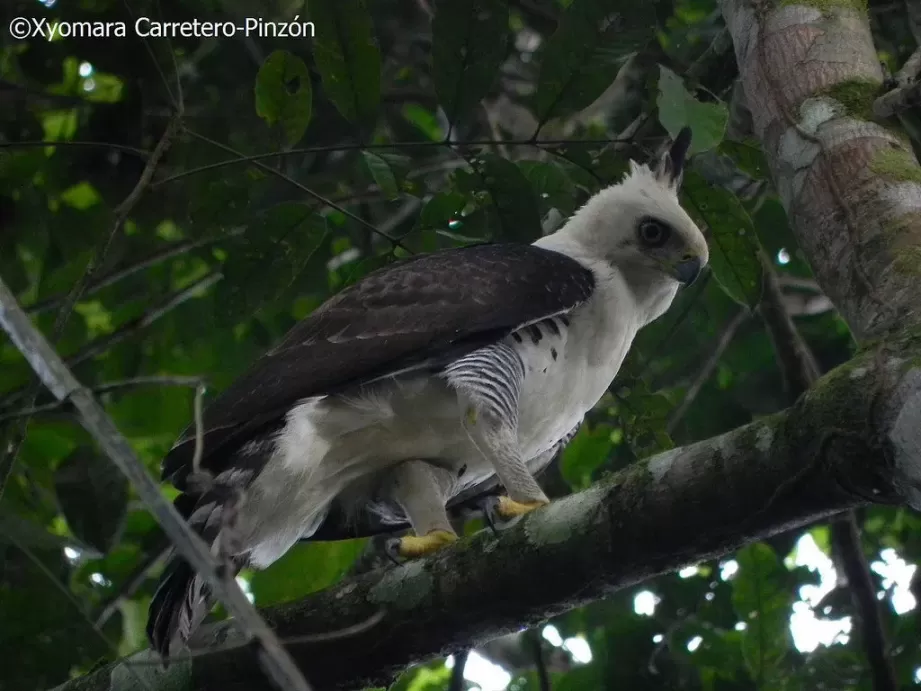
column 653, row 233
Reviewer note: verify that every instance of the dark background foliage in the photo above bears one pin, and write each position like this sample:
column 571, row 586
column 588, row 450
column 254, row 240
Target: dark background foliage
column 400, row 127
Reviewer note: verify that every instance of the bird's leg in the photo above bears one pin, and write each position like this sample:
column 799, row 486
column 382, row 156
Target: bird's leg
column 421, row 489
column 497, row 440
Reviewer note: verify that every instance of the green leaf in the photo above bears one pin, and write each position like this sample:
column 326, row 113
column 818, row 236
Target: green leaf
column 268, row 258
column 347, row 57
column 678, row 108
column 748, row 156
column 552, row 186
column 511, row 195
column 424, row 120
column 305, row 568
column 468, row 46
column 389, row 171
column 93, row 496
column 587, row 452
column 441, row 210
column 733, row 242
column 583, row 56
column 283, row 94
column 762, row 598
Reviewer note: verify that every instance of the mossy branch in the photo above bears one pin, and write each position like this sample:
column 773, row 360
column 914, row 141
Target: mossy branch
column 796, row 467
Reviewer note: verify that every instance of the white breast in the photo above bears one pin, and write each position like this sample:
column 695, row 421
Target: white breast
column 557, row 392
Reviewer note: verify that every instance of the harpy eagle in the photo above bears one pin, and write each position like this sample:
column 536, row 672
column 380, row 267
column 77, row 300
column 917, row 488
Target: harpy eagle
column 426, row 382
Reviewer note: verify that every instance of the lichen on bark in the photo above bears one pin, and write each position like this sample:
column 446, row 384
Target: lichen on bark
column 826, row 6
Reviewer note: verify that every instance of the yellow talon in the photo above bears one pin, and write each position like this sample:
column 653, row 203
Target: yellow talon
column 509, row 508
column 416, row 546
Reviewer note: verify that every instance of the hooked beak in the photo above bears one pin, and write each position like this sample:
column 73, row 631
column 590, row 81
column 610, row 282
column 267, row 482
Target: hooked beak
column 688, row 269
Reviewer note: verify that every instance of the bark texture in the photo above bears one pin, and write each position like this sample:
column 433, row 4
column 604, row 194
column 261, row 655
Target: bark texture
column 851, row 186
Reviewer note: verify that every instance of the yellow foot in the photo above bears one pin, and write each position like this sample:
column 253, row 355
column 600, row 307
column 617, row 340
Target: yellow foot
column 508, row 508
column 416, row 546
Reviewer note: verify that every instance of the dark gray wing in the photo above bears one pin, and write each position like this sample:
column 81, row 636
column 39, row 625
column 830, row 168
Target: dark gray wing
column 417, row 312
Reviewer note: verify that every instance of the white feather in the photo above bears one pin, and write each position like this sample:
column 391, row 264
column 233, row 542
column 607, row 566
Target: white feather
column 329, row 443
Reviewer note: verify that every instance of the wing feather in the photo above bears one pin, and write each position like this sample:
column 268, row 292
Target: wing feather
column 417, row 312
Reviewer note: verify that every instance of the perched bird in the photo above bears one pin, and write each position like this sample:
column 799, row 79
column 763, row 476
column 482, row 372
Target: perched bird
column 425, row 383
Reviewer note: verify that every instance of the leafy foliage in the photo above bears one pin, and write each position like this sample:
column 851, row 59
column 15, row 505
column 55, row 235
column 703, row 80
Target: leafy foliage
column 347, row 57
column 733, row 242
column 283, row 94
column 93, row 497
column 468, row 46
column 370, row 99
column 679, row 109
column 585, row 53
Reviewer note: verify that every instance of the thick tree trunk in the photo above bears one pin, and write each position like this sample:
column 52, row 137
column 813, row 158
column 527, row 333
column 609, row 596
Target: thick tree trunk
column 852, row 189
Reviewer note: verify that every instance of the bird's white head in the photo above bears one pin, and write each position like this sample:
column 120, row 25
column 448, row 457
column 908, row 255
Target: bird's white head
column 638, row 225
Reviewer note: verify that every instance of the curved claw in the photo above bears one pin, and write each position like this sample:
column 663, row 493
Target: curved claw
column 502, row 512
column 413, row 546
column 392, row 550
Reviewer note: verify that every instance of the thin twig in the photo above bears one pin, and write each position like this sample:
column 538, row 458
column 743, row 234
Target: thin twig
column 11, row 449
column 133, row 582
column 69, row 596
column 306, row 190
column 193, row 651
column 353, row 146
column 75, row 144
column 170, row 251
column 540, row 664
column 722, row 343
column 157, row 380
column 61, row 382
column 103, row 343
column 199, row 428
column 156, row 63
column 797, row 365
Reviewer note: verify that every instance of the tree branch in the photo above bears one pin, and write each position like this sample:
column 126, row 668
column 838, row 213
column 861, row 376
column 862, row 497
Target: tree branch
column 795, row 359
column 12, row 447
column 898, row 100
column 802, row 465
column 306, row 190
column 157, row 380
column 800, row 373
column 100, row 345
column 845, row 541
column 457, row 674
column 356, row 146
column 57, row 377
column 534, row 643
column 722, row 342
column 174, row 250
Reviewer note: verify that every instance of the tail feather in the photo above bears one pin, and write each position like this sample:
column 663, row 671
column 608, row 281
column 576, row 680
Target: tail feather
column 182, row 599
column 179, row 605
